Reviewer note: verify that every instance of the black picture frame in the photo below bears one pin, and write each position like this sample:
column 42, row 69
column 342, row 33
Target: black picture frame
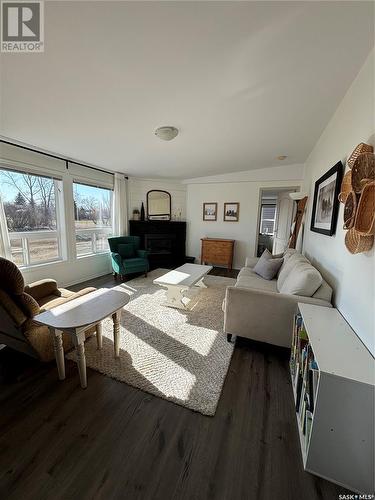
column 326, row 207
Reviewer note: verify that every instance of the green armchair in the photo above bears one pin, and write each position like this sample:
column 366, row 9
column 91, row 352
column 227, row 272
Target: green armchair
column 126, row 257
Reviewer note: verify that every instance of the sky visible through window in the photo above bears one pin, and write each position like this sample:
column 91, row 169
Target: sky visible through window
column 92, row 206
column 9, row 192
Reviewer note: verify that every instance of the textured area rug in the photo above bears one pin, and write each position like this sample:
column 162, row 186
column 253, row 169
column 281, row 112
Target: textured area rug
column 182, row 356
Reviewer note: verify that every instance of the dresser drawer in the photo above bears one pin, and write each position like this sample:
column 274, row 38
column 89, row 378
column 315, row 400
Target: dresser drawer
column 219, row 259
column 212, row 255
column 217, row 252
column 222, row 245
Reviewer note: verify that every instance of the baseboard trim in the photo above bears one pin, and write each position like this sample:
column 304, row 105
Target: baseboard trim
column 86, row 278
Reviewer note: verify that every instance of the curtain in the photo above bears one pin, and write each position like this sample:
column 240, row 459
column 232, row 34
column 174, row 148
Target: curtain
column 4, row 237
column 120, row 205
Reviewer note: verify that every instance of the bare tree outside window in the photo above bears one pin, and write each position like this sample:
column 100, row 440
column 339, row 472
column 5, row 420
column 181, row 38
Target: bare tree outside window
column 30, row 211
column 29, row 201
column 93, row 218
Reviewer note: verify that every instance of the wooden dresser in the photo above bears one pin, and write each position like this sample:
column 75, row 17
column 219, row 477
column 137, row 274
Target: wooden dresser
column 217, row 251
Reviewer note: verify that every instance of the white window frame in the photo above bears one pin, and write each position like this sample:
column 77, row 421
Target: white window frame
column 106, row 230
column 27, row 236
column 267, row 220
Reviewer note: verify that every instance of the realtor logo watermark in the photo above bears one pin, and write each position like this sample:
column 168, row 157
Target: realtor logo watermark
column 22, row 26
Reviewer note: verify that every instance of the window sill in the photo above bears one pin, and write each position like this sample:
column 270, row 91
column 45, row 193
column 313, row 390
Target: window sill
column 41, row 264
column 79, row 257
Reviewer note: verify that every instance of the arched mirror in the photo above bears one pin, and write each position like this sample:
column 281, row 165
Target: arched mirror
column 158, row 205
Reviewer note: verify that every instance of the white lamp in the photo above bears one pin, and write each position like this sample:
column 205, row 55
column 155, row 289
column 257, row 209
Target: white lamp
column 166, row 133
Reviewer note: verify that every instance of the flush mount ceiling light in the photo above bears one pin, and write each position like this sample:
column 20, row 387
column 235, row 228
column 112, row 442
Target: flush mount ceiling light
column 281, row 157
column 166, row 133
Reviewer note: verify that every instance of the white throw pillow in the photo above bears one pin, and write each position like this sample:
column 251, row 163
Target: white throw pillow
column 303, row 280
column 287, row 267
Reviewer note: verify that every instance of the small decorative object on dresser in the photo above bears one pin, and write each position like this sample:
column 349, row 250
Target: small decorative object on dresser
column 231, row 212
column 217, row 251
column 210, row 211
column 136, row 214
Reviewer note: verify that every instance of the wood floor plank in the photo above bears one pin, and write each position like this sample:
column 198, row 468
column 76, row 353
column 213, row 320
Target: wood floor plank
column 112, row 441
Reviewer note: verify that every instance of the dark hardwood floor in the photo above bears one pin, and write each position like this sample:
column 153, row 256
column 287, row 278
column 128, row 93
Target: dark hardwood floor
column 112, row 441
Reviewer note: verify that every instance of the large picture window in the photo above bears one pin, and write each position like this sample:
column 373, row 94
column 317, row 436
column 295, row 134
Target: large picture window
column 30, row 206
column 93, row 218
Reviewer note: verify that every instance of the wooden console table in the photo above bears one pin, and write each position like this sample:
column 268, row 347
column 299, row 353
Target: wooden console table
column 217, row 251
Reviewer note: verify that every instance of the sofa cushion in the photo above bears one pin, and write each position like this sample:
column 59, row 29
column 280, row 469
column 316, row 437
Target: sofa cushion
column 267, row 266
column 255, row 282
column 324, row 292
column 289, row 263
column 251, row 261
column 303, row 280
column 126, row 250
column 246, row 271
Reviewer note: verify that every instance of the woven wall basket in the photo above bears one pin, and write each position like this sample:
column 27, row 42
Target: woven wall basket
column 361, row 148
column 363, row 171
column 350, row 210
column 365, row 216
column 356, row 243
column 346, row 186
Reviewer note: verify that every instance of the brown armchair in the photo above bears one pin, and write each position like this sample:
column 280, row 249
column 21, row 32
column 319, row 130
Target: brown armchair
column 18, row 306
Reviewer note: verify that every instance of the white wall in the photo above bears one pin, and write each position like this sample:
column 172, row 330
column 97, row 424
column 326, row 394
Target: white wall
column 247, row 193
column 70, row 272
column 138, row 188
column 352, row 276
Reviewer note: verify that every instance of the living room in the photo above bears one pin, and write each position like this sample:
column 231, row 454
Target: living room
column 187, row 220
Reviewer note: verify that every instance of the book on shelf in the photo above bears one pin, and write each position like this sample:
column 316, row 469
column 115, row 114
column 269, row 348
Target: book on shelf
column 298, row 390
column 309, row 418
column 311, row 390
column 315, row 380
column 305, row 375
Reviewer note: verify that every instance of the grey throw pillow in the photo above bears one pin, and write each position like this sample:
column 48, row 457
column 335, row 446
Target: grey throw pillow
column 267, row 267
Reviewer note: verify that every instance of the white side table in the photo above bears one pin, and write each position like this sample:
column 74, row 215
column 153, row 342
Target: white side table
column 77, row 316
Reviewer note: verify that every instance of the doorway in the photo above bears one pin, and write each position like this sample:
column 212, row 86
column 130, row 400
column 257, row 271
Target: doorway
column 276, row 212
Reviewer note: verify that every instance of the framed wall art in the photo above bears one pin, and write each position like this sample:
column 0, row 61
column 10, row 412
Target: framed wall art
column 210, row 211
column 326, row 202
column 231, row 212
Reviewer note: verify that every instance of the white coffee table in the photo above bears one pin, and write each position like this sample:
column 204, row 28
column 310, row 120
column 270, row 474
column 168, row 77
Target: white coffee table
column 77, row 316
column 180, row 282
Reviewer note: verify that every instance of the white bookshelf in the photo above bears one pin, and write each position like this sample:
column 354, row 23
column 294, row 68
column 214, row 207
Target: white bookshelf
column 340, row 444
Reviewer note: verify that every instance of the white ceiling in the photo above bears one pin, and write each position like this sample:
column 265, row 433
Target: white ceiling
column 243, row 81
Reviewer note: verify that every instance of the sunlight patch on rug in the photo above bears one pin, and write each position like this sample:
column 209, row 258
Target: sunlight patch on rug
column 181, row 356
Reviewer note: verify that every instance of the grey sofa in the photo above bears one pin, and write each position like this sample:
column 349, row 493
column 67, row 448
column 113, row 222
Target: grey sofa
column 263, row 310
